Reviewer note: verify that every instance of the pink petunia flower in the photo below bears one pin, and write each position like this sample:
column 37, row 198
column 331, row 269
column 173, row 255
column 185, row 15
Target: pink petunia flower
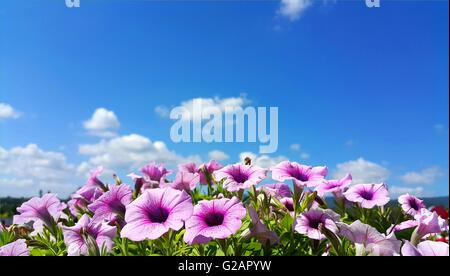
column 429, row 223
column 184, row 181
column 188, row 168
column 111, row 205
column 410, row 204
column 425, row 248
column 288, row 202
column 403, row 225
column 333, row 186
column 368, row 241
column 16, row 248
column 239, row 177
column 259, row 230
column 301, row 175
column 214, row 219
column 156, row 211
column 277, row 190
column 93, row 178
column 154, row 175
column 207, row 170
column 44, row 211
column 82, row 198
column 88, row 236
column 368, row 195
column 308, row 222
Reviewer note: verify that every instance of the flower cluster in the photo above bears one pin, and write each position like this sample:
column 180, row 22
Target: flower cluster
column 227, row 210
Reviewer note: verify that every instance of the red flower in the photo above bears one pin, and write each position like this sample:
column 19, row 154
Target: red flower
column 442, row 239
column 441, row 211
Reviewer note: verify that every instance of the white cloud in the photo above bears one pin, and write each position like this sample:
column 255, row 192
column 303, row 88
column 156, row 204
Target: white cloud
column 363, row 171
column 207, row 104
column 264, row 161
column 129, row 153
column 8, row 112
column 295, row 147
column 440, row 128
column 218, row 155
column 103, row 123
column 305, row 156
column 298, row 149
column 293, row 9
column 162, row 111
column 425, row 176
column 26, row 170
column 396, row 191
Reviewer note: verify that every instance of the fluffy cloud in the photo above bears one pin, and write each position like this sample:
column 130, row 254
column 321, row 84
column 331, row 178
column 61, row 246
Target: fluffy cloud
column 103, row 123
column 305, row 156
column 363, row 171
column 26, row 170
column 293, row 9
column 264, row 161
column 218, row 155
column 295, row 147
column 162, row 111
column 207, row 104
column 8, row 112
column 425, row 176
column 129, row 153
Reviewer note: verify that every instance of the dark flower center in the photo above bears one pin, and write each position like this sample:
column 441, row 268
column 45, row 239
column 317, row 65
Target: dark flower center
column 413, row 204
column 314, row 223
column 289, row 205
column 240, row 177
column 45, row 216
column 214, row 219
column 367, row 195
column 117, row 207
column 298, row 174
column 158, row 215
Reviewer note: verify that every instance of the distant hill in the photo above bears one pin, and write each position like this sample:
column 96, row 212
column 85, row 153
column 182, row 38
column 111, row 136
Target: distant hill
column 429, row 201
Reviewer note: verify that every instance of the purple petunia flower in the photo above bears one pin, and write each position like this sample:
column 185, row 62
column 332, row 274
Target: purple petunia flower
column 308, row 222
column 403, row 225
column 82, row 198
column 410, row 204
column 111, row 205
column 206, row 171
column 138, row 182
column 88, row 236
column 368, row 195
column 301, row 175
column 429, row 223
column 333, row 186
column 44, row 211
column 214, row 219
column 288, row 202
column 259, row 230
column 368, row 241
column 155, row 212
column 154, row 175
column 425, row 248
column 16, row 248
column 238, row 177
column 184, row 181
column 93, row 178
column 188, row 168
column 277, row 190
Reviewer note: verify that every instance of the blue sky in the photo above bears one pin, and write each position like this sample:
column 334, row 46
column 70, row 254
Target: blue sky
column 358, row 89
